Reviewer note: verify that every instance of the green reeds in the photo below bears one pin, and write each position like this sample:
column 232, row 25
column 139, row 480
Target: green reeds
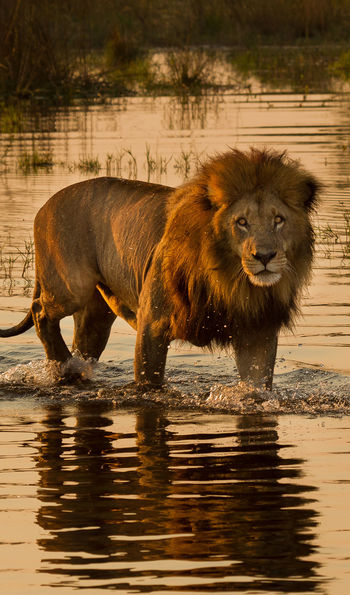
column 156, row 164
column 122, row 163
column 88, row 164
column 29, row 162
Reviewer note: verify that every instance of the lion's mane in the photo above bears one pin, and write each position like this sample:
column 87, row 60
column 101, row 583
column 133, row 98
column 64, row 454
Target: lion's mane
column 209, row 292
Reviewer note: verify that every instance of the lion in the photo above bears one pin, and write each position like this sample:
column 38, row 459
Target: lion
column 219, row 261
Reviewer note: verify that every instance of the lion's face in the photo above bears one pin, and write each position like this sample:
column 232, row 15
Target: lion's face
column 260, row 228
column 239, row 243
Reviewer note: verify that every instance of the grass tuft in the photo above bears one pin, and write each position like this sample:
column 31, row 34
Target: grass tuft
column 88, row 165
column 31, row 162
column 188, row 69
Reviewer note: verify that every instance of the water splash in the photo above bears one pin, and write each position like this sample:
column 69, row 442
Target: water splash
column 302, row 392
column 45, row 373
column 282, row 400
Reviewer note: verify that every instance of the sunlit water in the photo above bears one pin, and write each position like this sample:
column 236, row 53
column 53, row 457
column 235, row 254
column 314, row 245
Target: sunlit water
column 207, row 485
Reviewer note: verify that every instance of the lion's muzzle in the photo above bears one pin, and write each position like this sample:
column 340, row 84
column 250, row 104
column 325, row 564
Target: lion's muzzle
column 264, row 257
column 264, row 267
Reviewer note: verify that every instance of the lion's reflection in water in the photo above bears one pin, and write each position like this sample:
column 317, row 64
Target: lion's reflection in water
column 147, row 501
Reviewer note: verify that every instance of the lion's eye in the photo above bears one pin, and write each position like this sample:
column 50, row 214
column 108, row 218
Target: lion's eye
column 279, row 220
column 242, row 222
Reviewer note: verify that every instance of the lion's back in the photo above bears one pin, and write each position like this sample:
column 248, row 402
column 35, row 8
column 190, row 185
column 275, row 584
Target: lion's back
column 108, row 225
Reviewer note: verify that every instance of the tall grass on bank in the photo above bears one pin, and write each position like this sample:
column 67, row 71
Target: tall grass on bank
column 61, row 49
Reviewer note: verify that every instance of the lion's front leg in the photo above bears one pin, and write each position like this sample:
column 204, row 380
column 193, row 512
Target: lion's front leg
column 150, row 353
column 255, row 352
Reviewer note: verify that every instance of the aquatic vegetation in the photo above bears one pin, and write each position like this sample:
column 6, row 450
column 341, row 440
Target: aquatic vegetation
column 6, row 148
column 335, row 241
column 121, row 48
column 188, row 69
column 63, row 50
column 122, row 163
column 113, row 163
column 346, row 244
column 88, row 164
column 341, row 66
column 151, row 162
column 157, row 163
column 29, row 162
column 27, row 256
column 186, row 162
column 328, row 238
column 17, row 266
column 11, row 118
column 130, row 78
column 300, row 67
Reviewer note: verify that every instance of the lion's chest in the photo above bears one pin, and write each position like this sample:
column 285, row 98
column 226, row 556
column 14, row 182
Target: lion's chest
column 211, row 326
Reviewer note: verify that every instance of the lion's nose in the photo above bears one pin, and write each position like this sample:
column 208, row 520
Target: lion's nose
column 264, row 257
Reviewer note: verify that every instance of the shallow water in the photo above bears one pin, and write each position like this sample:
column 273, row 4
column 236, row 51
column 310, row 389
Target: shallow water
column 209, row 485
column 150, row 500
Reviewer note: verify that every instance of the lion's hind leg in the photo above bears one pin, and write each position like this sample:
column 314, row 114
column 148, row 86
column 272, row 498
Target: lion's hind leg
column 48, row 330
column 92, row 327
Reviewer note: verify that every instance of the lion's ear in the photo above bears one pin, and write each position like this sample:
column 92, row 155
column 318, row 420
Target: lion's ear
column 215, row 192
column 311, row 189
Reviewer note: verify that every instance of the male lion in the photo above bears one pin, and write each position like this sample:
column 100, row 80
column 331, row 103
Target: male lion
column 220, row 260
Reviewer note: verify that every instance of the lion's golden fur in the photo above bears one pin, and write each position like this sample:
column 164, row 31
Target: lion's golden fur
column 210, row 294
column 220, row 260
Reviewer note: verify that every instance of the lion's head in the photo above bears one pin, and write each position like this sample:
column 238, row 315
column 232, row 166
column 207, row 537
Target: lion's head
column 258, row 229
column 240, row 241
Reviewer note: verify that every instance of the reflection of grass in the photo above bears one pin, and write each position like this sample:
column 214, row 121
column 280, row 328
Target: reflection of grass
column 29, row 162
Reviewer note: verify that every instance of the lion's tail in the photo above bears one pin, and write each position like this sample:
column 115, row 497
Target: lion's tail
column 26, row 323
